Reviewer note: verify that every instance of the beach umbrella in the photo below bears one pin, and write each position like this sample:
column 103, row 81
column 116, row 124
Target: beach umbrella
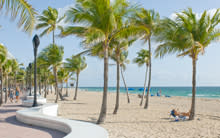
column 141, row 89
column 131, row 89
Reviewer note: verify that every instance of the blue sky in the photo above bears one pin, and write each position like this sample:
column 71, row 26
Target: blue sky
column 169, row 71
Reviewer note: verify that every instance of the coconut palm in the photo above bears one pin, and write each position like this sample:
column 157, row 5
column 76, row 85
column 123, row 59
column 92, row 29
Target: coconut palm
column 3, row 59
column 44, row 71
column 7, row 68
column 49, row 20
column 147, row 20
column 63, row 75
column 99, row 21
column 188, row 35
column 45, row 79
column 20, row 77
column 143, row 58
column 51, row 81
column 52, row 55
column 15, row 68
column 119, row 46
column 76, row 64
column 123, row 62
column 21, row 9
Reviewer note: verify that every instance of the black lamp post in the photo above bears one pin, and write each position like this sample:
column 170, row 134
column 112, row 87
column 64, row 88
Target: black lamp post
column 30, row 66
column 36, row 43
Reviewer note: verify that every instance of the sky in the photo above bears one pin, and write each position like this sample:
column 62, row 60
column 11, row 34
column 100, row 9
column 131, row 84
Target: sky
column 169, row 71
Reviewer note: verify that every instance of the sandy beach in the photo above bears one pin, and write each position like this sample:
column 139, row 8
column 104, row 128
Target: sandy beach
column 132, row 121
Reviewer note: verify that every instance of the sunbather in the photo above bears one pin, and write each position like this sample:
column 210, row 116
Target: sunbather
column 179, row 115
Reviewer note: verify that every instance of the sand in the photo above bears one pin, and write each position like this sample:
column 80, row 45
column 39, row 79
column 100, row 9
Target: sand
column 132, row 121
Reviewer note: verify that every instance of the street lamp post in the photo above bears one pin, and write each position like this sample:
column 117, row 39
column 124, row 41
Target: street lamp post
column 30, row 66
column 36, row 43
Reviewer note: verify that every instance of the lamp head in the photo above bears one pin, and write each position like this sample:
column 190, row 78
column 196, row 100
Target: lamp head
column 36, row 41
column 30, row 65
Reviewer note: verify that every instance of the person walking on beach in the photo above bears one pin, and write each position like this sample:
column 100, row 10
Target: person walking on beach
column 17, row 93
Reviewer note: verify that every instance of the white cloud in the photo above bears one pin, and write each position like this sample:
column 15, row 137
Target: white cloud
column 210, row 12
column 62, row 12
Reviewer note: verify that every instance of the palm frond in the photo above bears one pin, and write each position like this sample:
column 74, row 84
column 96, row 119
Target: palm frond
column 22, row 9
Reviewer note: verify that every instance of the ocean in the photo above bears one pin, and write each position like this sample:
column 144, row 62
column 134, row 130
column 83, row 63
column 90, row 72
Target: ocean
column 203, row 92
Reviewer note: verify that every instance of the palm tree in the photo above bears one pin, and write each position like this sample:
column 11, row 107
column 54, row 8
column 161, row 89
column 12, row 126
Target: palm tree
column 66, row 80
column 44, row 71
column 76, row 64
column 63, row 75
column 49, row 20
column 53, row 56
column 7, row 68
column 147, row 20
column 20, row 77
column 143, row 58
column 45, row 78
column 3, row 59
column 21, row 9
column 99, row 21
column 15, row 67
column 123, row 61
column 188, row 35
column 119, row 46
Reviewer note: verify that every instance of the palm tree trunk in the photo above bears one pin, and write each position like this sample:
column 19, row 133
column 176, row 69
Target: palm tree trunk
column 67, row 88
column 149, row 79
column 51, row 88
column 45, row 89
column 6, row 91
column 61, row 88
column 125, row 85
column 118, row 86
column 9, row 85
column 56, row 83
column 77, row 82
column 60, row 92
column 1, row 89
column 45, row 85
column 15, row 81
column 143, row 94
column 192, row 110
column 102, row 114
column 61, row 96
column 53, row 38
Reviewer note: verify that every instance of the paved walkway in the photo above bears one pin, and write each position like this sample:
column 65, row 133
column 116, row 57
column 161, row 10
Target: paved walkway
column 11, row 128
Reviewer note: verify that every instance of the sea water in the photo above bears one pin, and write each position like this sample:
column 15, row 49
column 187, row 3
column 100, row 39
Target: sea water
column 203, row 92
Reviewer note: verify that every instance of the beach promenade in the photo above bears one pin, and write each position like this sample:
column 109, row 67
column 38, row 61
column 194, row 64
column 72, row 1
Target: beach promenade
column 11, row 128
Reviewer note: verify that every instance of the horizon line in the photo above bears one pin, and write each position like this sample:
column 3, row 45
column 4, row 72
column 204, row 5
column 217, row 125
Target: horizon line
column 151, row 86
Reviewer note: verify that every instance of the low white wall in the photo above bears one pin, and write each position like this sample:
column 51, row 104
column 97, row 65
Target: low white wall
column 29, row 101
column 39, row 116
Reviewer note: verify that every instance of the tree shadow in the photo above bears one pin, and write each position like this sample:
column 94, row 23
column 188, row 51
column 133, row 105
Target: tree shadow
column 12, row 105
column 53, row 133
column 75, row 103
column 92, row 121
column 166, row 118
column 4, row 111
column 214, row 117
